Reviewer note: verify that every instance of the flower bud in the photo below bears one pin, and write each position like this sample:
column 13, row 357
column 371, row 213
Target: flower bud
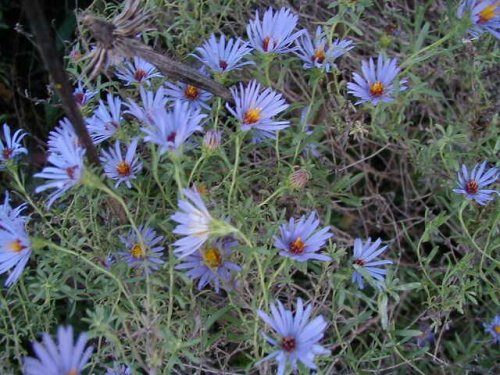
column 299, row 179
column 212, row 140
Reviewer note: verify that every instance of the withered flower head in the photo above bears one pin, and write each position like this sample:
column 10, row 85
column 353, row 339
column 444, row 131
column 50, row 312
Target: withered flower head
column 114, row 38
column 299, row 179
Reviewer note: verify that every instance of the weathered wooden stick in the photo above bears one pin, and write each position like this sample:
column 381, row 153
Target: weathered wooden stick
column 60, row 80
column 63, row 87
column 110, row 38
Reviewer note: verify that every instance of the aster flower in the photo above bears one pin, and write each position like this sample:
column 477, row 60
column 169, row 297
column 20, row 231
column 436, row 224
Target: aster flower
column 119, row 369
column 194, row 222
column 473, row 184
column 364, row 256
column 151, row 102
column 298, row 336
column 300, row 240
column 11, row 215
column 139, row 71
column 494, row 329
column 119, row 168
column 317, row 53
column 143, row 252
column 210, row 264
column 196, row 97
column 427, row 337
column 66, row 170
column 171, row 129
column 12, row 146
column 81, row 95
column 222, row 57
column 484, row 16
column 15, row 245
column 63, row 358
column 255, row 109
column 62, row 133
column 376, row 84
column 106, row 119
column 275, row 32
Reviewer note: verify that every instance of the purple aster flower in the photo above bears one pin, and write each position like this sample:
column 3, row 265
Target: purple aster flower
column 196, row 97
column 300, row 240
column 67, row 167
column 194, row 222
column 15, row 245
column 275, row 32
column 12, row 146
column 364, row 256
column 139, row 71
column 63, row 132
column 142, row 251
column 210, row 264
column 119, row 369
column 151, row 102
column 473, row 185
column 64, row 358
column 255, row 109
column 81, row 95
column 171, row 129
column 484, row 16
column 426, row 338
column 298, row 336
column 376, row 85
column 222, row 57
column 11, row 215
column 317, row 53
column 106, row 119
column 119, row 168
column 494, row 329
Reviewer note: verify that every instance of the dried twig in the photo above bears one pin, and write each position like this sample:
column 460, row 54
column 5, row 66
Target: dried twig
column 57, row 73
column 116, row 39
column 63, row 87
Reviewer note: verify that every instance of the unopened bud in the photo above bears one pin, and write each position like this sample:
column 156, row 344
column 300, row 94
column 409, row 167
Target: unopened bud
column 212, row 140
column 299, row 179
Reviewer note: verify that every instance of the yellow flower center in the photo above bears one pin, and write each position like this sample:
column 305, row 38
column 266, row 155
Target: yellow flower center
column 377, row 88
column 212, row 257
column 123, row 168
column 297, row 247
column 497, row 329
column 191, row 92
column 252, row 116
column 16, row 246
column 202, row 189
column 138, row 251
column 319, row 55
column 73, row 371
column 488, row 13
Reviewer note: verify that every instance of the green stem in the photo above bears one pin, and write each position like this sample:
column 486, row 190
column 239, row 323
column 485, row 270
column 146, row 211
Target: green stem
column 464, row 227
column 316, row 83
column 196, row 166
column 235, row 168
column 276, row 192
column 154, row 168
column 98, row 268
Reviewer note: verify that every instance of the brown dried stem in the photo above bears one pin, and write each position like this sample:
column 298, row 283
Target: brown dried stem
column 114, row 40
